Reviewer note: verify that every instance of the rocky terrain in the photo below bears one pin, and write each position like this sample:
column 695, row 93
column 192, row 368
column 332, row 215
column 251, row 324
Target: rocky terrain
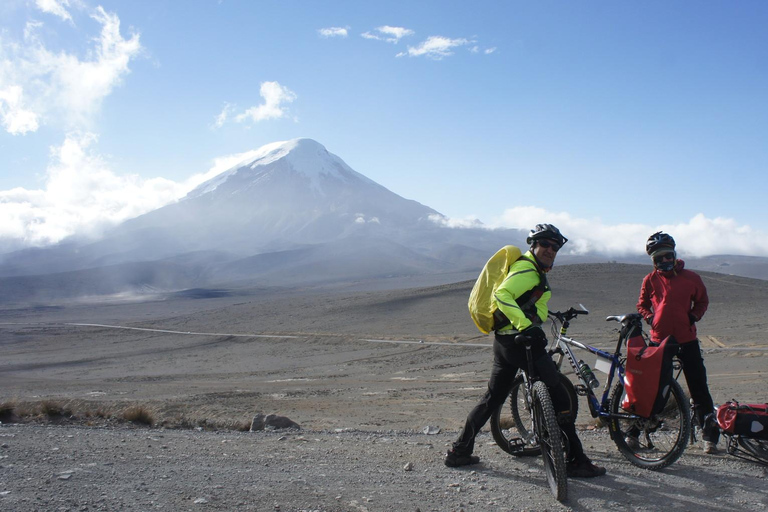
column 379, row 378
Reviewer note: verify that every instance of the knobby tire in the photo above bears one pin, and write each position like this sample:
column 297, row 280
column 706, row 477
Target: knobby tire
column 550, row 441
column 513, row 419
column 662, row 438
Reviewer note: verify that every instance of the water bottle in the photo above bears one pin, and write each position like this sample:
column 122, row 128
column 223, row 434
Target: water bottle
column 589, row 377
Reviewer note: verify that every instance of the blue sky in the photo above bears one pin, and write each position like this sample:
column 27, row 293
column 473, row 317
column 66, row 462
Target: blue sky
column 611, row 119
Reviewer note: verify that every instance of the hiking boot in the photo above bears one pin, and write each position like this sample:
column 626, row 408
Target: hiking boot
column 454, row 459
column 583, row 468
column 632, row 442
column 710, row 447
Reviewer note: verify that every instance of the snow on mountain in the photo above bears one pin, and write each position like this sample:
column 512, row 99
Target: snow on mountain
column 305, row 157
column 287, row 195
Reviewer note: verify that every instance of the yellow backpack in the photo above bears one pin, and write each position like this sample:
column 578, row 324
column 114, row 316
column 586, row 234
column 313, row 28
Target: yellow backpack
column 480, row 303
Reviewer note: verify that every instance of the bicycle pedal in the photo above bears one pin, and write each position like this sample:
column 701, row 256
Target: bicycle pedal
column 517, row 444
column 581, row 390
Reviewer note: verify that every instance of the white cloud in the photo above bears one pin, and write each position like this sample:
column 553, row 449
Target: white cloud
column 83, row 196
column 462, row 223
column 41, row 87
column 14, row 116
column 388, row 34
column 55, row 7
column 361, row 219
column 334, row 32
column 489, row 51
column 275, row 96
column 700, row 236
column 223, row 115
column 435, row 47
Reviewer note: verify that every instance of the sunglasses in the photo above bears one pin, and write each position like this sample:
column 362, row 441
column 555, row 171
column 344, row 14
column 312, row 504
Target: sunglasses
column 547, row 244
column 662, row 257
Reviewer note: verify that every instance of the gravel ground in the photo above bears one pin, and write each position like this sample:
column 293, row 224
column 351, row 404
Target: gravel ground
column 362, row 372
column 71, row 468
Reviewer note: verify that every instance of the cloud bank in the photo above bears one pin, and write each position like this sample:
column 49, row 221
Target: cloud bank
column 700, row 236
column 82, row 196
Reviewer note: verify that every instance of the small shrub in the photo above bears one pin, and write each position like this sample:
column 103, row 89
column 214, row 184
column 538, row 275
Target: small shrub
column 51, row 409
column 138, row 414
column 6, row 412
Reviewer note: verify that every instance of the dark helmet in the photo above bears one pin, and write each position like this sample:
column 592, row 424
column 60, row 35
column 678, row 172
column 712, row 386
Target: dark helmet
column 658, row 243
column 546, row 231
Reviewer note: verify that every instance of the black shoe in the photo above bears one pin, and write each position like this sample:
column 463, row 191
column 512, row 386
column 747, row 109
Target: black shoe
column 583, row 468
column 454, row 459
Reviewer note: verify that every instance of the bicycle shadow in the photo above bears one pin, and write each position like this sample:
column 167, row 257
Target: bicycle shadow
column 695, row 482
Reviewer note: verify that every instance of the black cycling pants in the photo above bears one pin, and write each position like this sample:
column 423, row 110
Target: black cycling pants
column 508, row 357
column 696, row 377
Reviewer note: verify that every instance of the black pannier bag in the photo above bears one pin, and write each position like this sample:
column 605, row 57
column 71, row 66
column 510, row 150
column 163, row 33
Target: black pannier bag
column 747, row 420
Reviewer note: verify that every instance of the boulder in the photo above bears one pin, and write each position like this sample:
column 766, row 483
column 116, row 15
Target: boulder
column 272, row 422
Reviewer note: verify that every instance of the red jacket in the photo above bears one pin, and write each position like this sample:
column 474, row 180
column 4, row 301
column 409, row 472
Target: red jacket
column 668, row 298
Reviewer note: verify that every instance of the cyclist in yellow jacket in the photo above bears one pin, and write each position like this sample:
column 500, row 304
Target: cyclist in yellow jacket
column 522, row 302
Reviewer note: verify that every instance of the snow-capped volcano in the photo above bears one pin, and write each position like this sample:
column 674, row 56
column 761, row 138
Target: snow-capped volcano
column 286, row 194
column 290, row 213
column 304, row 157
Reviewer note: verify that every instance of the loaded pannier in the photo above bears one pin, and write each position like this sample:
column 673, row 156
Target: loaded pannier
column 648, row 377
column 747, row 420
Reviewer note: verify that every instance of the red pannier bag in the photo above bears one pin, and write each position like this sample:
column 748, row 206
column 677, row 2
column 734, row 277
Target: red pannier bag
column 648, row 375
column 747, row 420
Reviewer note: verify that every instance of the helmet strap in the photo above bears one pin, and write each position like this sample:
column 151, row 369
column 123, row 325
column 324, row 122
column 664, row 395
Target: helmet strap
column 538, row 262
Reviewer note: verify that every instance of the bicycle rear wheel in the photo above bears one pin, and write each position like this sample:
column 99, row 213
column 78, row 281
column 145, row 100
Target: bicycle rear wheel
column 512, row 423
column 550, row 440
column 656, row 442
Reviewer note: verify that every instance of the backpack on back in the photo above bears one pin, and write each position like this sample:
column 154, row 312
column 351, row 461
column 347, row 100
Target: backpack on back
column 481, row 307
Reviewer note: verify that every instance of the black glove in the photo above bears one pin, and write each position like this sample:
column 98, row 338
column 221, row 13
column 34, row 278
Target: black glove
column 692, row 318
column 649, row 320
column 536, row 334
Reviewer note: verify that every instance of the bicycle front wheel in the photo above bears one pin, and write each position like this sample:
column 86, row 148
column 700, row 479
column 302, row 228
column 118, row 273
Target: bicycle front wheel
column 512, row 423
column 656, row 442
column 550, row 440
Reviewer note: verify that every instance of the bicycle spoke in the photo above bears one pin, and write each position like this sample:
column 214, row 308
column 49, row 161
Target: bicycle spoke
column 655, row 442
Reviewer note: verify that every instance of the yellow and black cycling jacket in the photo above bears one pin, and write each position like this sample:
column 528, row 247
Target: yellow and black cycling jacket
column 523, row 295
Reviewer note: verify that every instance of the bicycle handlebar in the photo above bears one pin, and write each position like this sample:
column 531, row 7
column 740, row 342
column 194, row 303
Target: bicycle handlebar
column 569, row 314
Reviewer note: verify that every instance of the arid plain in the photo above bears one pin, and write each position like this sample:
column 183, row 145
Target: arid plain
column 358, row 356
column 366, row 369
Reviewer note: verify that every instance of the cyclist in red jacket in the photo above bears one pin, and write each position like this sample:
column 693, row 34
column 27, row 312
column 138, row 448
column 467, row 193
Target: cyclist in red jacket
column 672, row 300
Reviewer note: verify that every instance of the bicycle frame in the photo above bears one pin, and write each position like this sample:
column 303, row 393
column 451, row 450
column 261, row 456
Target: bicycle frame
column 652, row 442
column 562, row 349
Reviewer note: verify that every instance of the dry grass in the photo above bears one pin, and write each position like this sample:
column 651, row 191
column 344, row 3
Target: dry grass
column 99, row 414
column 55, row 410
column 7, row 411
column 138, row 414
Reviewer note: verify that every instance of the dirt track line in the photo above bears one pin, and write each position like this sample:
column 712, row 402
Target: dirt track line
column 422, row 342
column 186, row 332
column 168, row 331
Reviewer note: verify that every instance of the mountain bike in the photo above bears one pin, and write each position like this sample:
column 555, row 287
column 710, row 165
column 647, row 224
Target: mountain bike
column 543, row 435
column 649, row 443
